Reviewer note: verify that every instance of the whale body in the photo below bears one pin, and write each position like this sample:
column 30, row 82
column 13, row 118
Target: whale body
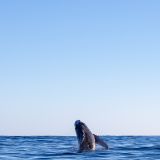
column 86, row 140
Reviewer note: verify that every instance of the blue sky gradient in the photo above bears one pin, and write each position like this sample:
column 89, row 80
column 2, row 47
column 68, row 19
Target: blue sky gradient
column 98, row 61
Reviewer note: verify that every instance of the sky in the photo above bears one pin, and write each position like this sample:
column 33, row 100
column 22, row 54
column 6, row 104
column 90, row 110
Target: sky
column 93, row 60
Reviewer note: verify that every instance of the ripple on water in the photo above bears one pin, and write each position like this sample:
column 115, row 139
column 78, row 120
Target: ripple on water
column 54, row 147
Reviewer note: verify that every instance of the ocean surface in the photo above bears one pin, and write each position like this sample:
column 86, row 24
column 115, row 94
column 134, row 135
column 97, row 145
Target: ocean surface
column 55, row 147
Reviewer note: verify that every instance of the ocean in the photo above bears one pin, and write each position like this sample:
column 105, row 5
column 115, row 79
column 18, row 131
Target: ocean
column 64, row 147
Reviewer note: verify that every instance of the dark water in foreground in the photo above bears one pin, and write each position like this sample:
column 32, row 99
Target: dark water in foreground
column 48, row 147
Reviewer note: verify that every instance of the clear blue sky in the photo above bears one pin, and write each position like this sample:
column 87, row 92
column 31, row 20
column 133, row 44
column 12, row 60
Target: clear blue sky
column 94, row 60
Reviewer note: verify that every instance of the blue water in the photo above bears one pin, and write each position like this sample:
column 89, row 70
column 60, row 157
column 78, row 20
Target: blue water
column 54, row 147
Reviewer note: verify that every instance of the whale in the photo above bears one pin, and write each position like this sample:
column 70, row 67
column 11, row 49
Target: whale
column 86, row 139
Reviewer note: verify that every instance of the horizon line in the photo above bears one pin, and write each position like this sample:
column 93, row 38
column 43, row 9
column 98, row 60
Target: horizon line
column 75, row 135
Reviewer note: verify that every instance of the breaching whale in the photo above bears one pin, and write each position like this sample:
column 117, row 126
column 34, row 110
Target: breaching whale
column 86, row 140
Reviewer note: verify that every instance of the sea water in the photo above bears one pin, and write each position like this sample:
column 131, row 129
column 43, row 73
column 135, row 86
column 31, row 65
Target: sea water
column 58, row 147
